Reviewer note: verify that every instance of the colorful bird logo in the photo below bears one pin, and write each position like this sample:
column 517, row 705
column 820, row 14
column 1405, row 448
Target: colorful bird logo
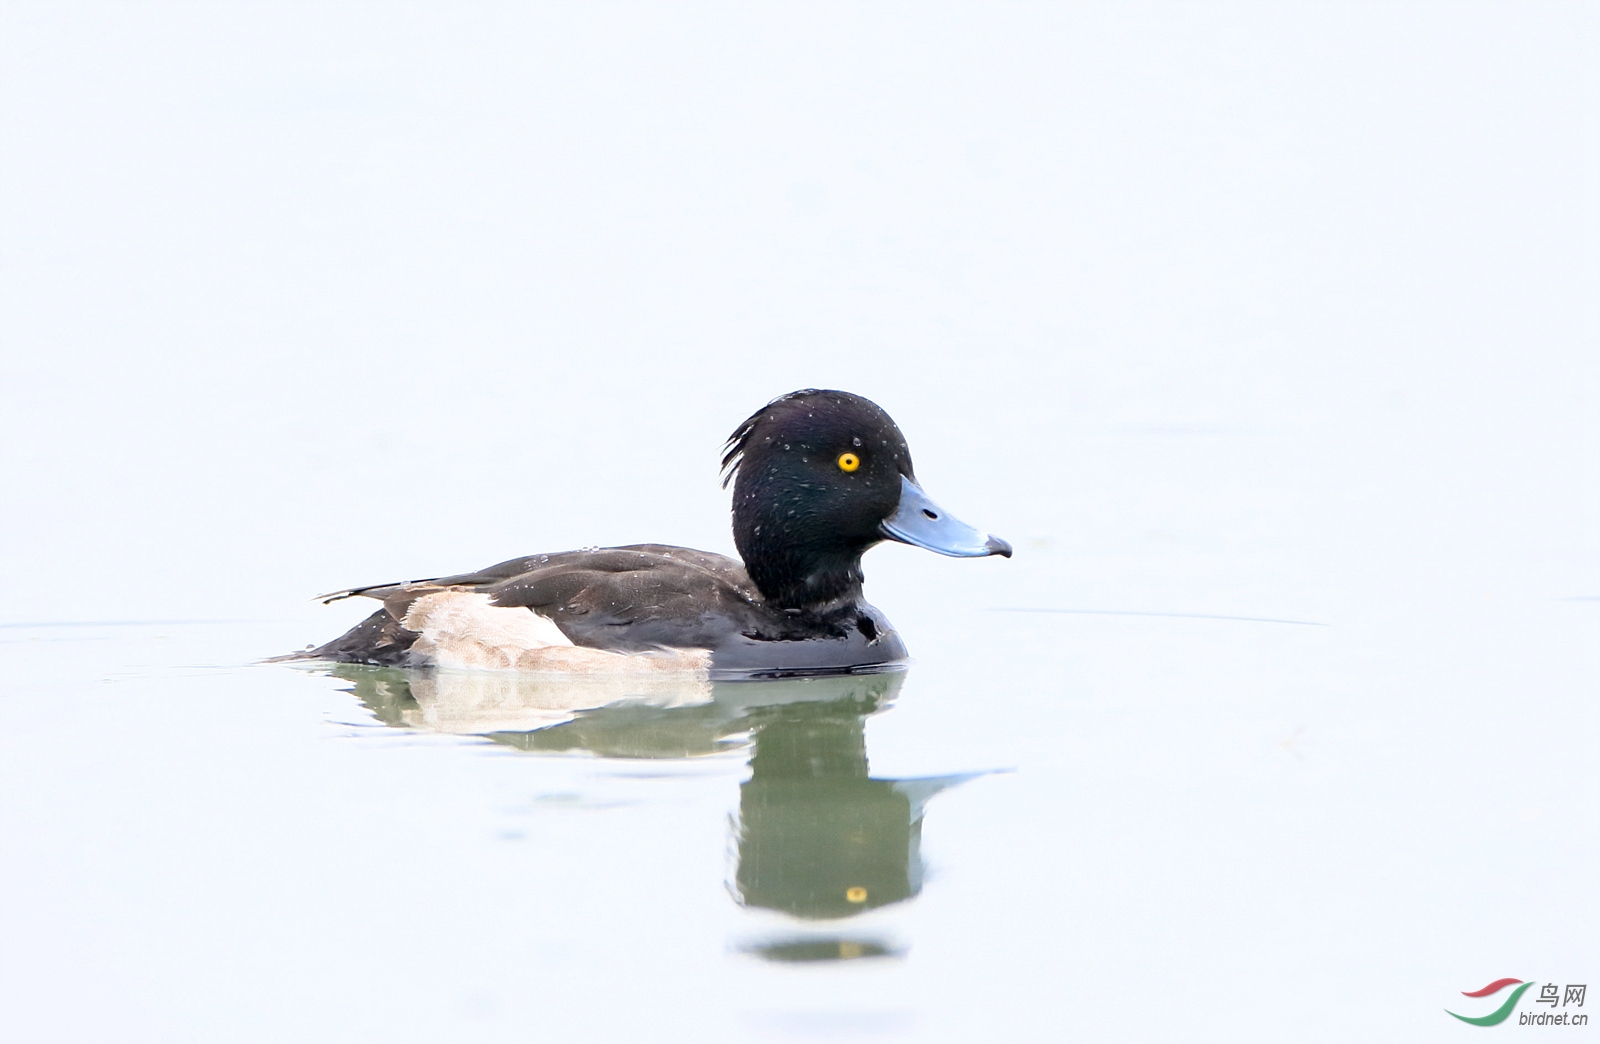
column 1500, row 1014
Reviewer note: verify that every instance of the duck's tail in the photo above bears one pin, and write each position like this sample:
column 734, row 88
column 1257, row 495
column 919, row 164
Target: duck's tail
column 380, row 639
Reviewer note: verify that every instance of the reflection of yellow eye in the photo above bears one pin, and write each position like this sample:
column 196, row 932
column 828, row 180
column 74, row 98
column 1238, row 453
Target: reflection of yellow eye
column 849, row 462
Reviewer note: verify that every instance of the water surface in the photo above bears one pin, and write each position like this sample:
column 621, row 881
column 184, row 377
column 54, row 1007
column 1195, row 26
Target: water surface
column 972, row 846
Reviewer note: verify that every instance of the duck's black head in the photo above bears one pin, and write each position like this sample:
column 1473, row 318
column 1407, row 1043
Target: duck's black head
column 820, row 477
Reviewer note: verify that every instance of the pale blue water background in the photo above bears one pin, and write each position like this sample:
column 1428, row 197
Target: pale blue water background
column 1237, row 311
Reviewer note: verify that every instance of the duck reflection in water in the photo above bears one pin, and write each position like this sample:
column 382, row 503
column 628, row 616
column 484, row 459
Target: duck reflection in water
column 818, row 837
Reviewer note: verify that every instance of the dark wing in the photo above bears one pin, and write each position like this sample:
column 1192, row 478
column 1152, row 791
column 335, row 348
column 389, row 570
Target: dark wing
column 633, row 598
column 630, row 598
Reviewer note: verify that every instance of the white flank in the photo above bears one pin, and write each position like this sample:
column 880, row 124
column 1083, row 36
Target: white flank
column 463, row 629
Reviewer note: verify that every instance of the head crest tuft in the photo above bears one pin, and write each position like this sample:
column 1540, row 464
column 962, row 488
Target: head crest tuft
column 735, row 447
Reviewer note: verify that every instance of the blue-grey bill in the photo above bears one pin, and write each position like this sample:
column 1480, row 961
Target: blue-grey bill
column 920, row 522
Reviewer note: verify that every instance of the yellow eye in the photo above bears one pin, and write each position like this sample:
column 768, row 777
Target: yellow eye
column 849, row 462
